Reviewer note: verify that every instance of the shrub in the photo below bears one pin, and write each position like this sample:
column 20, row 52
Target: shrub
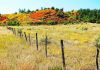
column 39, row 23
column 13, row 23
column 69, row 22
column 36, row 23
column 30, row 23
column 84, row 28
column 0, row 24
column 51, row 22
column 97, row 42
column 66, row 22
column 60, row 14
column 42, row 41
column 55, row 68
column 98, row 21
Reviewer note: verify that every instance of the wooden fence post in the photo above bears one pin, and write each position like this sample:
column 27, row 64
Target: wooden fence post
column 14, row 31
column 11, row 29
column 29, row 39
column 97, row 59
column 25, row 36
column 37, row 41
column 46, row 42
column 20, row 33
column 63, row 57
column 17, row 32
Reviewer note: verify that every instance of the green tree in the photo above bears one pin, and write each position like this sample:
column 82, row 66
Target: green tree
column 60, row 14
column 13, row 23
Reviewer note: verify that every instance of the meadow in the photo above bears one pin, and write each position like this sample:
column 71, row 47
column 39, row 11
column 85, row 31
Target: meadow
column 79, row 47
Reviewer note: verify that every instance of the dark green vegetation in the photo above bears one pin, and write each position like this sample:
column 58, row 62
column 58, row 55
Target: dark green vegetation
column 88, row 15
column 13, row 23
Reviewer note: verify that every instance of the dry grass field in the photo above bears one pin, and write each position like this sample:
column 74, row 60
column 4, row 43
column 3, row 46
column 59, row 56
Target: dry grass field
column 79, row 43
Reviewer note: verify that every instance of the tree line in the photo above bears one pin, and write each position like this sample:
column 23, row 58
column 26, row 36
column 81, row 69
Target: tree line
column 88, row 15
column 85, row 15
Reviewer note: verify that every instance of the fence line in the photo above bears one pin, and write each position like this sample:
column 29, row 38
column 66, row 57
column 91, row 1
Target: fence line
column 20, row 33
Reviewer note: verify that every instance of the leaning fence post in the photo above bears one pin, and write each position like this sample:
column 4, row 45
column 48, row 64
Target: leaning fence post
column 63, row 57
column 25, row 36
column 46, row 42
column 97, row 59
column 37, row 41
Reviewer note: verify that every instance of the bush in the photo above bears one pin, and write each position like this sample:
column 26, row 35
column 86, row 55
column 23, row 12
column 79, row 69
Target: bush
column 55, row 68
column 98, row 21
column 69, row 22
column 97, row 42
column 42, row 41
column 1, row 24
column 51, row 22
column 13, row 23
column 60, row 14
column 92, row 19
column 65, row 22
column 84, row 28
column 36, row 23
column 30, row 23
column 39, row 23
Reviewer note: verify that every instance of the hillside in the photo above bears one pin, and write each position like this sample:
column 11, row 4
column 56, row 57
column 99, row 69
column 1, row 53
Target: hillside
column 50, row 16
column 42, row 16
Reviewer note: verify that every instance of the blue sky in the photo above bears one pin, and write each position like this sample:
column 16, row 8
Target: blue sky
column 11, row 6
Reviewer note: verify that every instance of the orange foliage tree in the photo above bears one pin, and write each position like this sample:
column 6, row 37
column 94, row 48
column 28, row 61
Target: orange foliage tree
column 3, row 19
column 42, row 14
